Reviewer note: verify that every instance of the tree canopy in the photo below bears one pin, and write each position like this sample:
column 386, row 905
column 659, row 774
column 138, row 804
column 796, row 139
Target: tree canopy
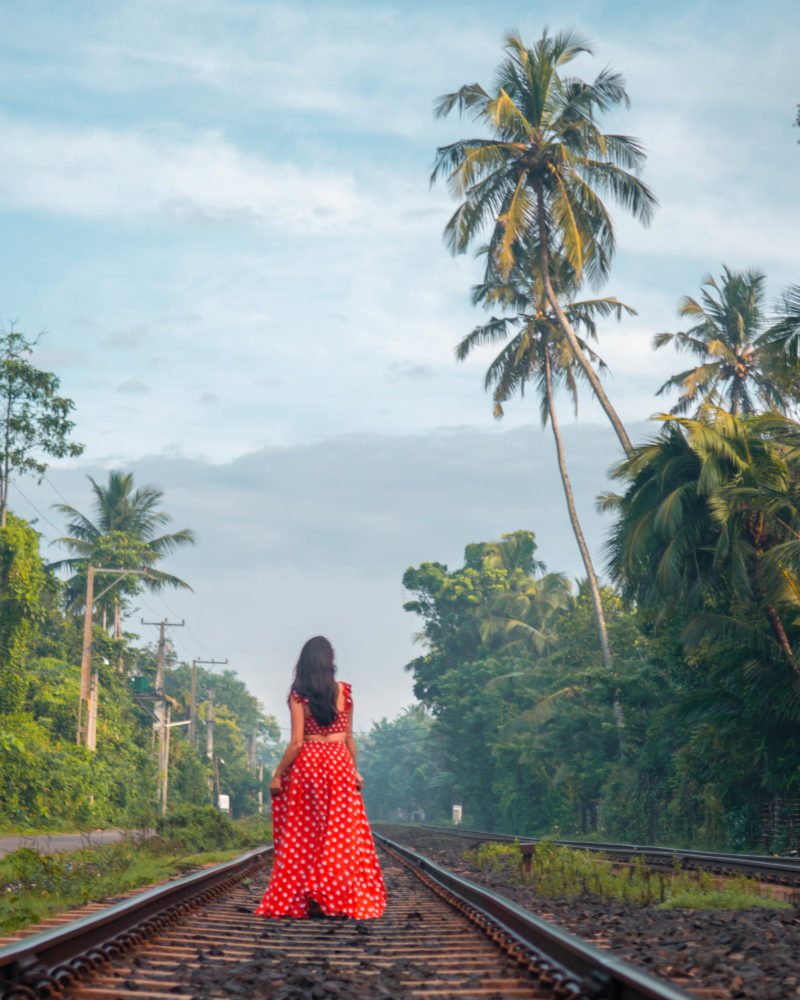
column 34, row 420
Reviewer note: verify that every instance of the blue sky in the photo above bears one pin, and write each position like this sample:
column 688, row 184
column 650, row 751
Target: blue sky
column 220, row 213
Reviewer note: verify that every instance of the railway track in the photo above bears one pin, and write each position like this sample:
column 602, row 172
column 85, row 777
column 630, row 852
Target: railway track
column 197, row 937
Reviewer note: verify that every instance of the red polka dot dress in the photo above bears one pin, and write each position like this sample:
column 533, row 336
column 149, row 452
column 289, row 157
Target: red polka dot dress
column 323, row 849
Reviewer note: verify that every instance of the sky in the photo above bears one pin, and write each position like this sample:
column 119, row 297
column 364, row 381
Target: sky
column 218, row 215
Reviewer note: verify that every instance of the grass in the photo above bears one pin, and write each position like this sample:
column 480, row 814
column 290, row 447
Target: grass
column 566, row 872
column 34, row 886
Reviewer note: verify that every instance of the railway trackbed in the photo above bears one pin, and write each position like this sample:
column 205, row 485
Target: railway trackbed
column 441, row 937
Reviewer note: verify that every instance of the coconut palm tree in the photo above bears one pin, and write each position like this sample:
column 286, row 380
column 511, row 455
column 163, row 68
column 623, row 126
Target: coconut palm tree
column 536, row 349
column 515, row 553
column 711, row 518
column 537, row 181
column 519, row 619
column 518, row 615
column 738, row 360
column 126, row 532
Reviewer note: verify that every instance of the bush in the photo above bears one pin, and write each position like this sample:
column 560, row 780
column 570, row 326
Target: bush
column 197, row 829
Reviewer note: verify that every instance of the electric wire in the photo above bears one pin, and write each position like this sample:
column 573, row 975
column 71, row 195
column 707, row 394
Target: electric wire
column 33, row 506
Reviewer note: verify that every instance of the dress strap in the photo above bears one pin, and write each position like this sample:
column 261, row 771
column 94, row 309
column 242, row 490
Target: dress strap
column 348, row 696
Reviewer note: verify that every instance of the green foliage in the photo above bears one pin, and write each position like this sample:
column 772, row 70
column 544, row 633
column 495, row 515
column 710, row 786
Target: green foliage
column 556, row 871
column 737, row 360
column 197, row 828
column 405, row 777
column 545, row 740
column 706, row 542
column 51, row 783
column 34, row 885
column 34, row 421
column 126, row 533
column 22, row 582
column 721, row 899
column 529, row 735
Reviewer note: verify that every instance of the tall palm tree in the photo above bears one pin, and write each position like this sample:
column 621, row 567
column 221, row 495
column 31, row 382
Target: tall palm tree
column 738, row 361
column 126, row 532
column 537, row 182
column 536, row 349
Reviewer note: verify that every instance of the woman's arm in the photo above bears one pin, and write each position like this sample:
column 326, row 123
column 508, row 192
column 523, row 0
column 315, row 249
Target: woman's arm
column 294, row 748
column 351, row 746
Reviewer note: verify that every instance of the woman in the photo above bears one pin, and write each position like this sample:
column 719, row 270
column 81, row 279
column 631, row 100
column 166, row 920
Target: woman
column 325, row 862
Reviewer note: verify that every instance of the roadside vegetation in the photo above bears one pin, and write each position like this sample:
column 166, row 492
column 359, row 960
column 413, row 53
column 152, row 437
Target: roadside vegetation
column 557, row 871
column 34, row 885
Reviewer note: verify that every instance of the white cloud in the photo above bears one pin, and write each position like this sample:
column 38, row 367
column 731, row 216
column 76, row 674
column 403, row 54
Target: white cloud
column 188, row 178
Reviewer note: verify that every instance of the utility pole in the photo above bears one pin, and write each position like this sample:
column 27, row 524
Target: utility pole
column 118, row 634
column 161, row 724
column 193, row 696
column 91, row 720
column 86, row 660
column 164, row 777
column 85, row 708
column 210, row 726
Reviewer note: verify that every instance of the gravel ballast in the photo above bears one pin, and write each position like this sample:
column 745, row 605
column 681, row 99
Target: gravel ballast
column 751, row 954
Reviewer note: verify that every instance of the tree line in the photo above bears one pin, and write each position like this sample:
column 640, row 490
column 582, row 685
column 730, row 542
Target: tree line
column 664, row 704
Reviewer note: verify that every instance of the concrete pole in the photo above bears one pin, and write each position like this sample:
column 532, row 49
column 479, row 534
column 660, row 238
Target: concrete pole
column 210, row 727
column 193, row 705
column 86, row 657
column 160, row 712
column 163, row 765
column 91, row 722
column 118, row 635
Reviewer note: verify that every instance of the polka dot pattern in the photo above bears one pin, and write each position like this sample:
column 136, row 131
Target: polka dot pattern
column 323, row 844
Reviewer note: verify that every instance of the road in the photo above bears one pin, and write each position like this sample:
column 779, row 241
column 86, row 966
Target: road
column 52, row 843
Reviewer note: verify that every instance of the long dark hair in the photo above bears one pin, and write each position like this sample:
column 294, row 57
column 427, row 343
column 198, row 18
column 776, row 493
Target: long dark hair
column 313, row 679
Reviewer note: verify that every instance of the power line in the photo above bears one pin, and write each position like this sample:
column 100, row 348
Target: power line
column 33, row 505
column 188, row 628
column 56, row 490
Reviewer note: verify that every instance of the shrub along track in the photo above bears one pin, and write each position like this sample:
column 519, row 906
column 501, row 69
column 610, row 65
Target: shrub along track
column 427, row 944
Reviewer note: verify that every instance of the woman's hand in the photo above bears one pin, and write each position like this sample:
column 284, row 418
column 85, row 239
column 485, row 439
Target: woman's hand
column 359, row 781
column 275, row 785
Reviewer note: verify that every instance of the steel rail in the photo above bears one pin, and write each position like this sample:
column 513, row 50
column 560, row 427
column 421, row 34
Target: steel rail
column 765, row 866
column 42, row 964
column 584, row 970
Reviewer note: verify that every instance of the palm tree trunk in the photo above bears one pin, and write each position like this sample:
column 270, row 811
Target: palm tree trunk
column 774, row 619
column 594, row 587
column 578, row 354
column 776, row 624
